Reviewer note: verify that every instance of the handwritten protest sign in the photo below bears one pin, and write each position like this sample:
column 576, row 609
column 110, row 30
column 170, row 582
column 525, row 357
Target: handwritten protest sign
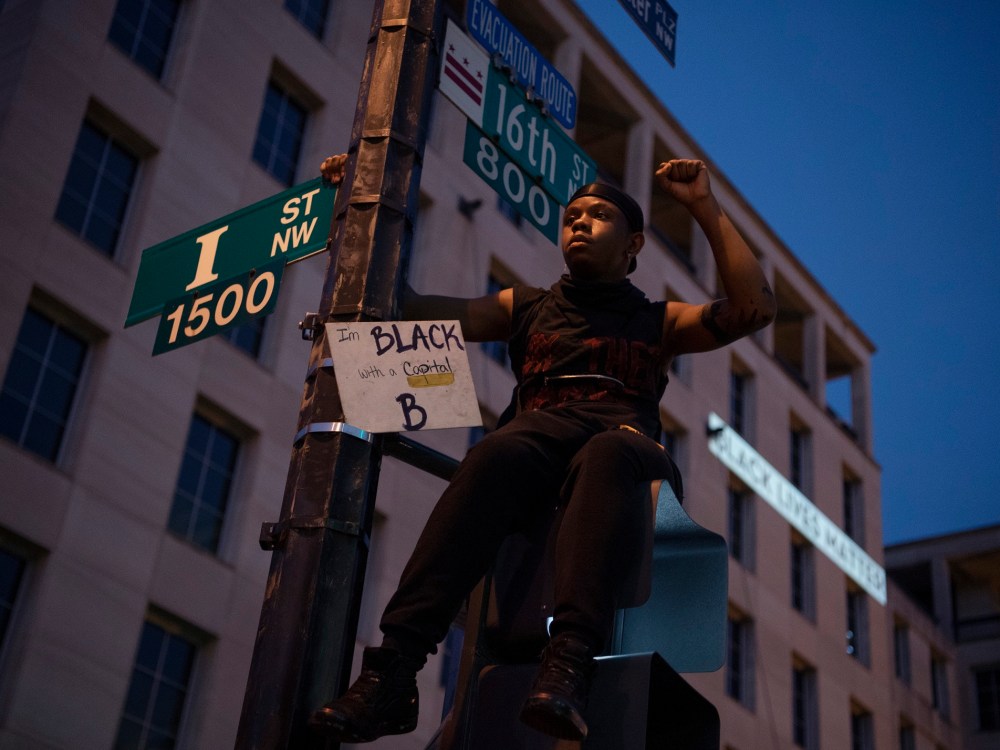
column 403, row 376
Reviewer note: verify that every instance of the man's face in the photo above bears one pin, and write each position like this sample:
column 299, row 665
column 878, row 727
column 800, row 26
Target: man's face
column 596, row 241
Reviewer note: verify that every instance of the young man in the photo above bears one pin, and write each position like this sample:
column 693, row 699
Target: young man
column 590, row 355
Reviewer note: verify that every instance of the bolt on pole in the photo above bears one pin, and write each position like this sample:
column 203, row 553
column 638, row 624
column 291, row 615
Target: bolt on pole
column 308, row 623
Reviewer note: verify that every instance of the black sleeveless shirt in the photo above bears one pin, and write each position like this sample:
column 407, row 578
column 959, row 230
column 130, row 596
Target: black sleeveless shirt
column 589, row 328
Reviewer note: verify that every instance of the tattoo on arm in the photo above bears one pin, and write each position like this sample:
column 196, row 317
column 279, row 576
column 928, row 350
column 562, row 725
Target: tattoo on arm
column 710, row 319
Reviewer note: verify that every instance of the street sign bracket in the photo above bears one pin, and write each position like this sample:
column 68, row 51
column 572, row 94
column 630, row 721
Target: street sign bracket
column 309, row 324
column 398, row 23
column 273, row 535
column 373, row 198
column 389, row 133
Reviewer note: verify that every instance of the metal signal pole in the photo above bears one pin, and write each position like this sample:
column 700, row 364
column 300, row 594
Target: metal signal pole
column 305, row 641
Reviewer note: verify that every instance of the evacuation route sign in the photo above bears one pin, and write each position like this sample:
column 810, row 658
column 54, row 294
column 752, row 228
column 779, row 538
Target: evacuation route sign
column 289, row 226
column 403, row 376
column 497, row 35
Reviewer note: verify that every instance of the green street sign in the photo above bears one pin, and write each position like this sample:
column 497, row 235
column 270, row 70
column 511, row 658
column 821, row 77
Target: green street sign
column 483, row 156
column 218, row 307
column 288, row 227
column 539, row 146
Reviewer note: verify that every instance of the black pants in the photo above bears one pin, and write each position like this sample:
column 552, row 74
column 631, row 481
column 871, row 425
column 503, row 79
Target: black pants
column 541, row 459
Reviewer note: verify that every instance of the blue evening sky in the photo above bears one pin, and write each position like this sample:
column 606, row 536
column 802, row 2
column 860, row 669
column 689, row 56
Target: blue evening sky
column 867, row 134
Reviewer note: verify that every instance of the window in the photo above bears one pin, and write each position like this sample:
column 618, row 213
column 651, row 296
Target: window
column 907, row 737
column 507, row 209
column 739, row 659
column 857, row 626
column 496, row 350
column 451, row 659
column 142, row 29
column 901, row 650
column 40, row 385
column 673, row 438
column 741, row 527
column 248, row 336
column 97, row 188
column 988, row 698
column 739, row 402
column 862, row 729
column 279, row 134
column 310, row 13
column 11, row 574
column 940, row 698
column 803, row 576
column 789, row 330
column 156, row 695
column 799, row 458
column 843, row 369
column 203, row 485
column 669, row 222
column 854, row 509
column 805, row 707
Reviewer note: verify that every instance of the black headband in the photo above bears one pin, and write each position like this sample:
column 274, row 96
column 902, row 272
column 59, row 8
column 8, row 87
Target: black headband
column 625, row 202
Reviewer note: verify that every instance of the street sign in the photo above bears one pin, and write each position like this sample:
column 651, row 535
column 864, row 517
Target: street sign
column 658, row 21
column 498, row 35
column 217, row 307
column 483, row 156
column 539, row 146
column 291, row 225
column 403, row 376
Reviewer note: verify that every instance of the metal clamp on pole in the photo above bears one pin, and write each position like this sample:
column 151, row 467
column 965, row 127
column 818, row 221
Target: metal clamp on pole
column 309, row 325
column 273, row 535
column 347, row 429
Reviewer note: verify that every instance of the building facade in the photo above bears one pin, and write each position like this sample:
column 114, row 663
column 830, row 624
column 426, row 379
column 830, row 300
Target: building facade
column 136, row 486
column 953, row 580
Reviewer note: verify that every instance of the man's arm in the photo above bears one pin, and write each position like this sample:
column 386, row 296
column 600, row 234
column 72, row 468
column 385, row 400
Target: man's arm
column 481, row 318
column 749, row 304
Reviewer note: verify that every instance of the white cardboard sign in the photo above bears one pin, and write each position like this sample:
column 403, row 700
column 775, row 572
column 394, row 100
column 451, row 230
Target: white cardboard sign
column 403, row 376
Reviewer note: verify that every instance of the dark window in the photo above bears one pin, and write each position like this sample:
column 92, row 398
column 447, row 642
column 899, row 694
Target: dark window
column 854, row 515
column 799, row 458
column 11, row 573
column 901, row 651
column 142, row 29
column 739, row 661
column 907, row 738
column 41, row 381
column 156, row 695
column 738, row 386
column 940, row 698
column 741, row 527
column 862, row 730
column 203, row 485
column 988, row 698
column 803, row 579
column 857, row 626
column 279, row 134
column 495, row 350
column 248, row 336
column 97, row 188
column 805, row 710
column 310, row 13
column 507, row 209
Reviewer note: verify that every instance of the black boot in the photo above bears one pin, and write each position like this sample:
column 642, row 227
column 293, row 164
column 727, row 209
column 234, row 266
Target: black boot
column 558, row 696
column 383, row 700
